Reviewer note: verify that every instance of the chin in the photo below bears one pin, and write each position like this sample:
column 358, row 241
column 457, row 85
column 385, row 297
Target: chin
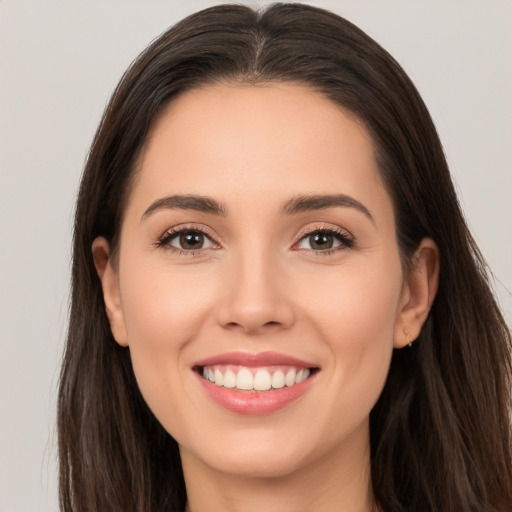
column 263, row 464
column 256, row 453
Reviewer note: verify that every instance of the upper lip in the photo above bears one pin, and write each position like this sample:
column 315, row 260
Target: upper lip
column 241, row 358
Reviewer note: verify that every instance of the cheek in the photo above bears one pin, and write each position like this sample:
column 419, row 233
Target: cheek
column 356, row 319
column 163, row 307
column 358, row 304
column 163, row 312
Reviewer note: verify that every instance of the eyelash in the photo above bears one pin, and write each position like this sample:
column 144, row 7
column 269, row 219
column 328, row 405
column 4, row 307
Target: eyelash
column 171, row 234
column 345, row 239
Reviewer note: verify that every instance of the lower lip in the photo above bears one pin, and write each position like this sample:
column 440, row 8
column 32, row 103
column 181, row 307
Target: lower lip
column 255, row 402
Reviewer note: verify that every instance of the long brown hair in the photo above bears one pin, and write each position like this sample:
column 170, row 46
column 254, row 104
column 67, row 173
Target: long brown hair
column 440, row 432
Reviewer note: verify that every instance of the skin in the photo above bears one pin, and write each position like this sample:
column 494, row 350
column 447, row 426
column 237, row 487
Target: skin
column 260, row 285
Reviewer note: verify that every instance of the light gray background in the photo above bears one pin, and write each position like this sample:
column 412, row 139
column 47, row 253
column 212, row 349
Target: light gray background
column 59, row 61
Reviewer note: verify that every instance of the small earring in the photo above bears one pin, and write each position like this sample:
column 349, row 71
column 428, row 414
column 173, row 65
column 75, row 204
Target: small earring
column 408, row 338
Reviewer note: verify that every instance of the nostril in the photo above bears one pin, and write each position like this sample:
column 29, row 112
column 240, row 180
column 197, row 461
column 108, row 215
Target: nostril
column 254, row 326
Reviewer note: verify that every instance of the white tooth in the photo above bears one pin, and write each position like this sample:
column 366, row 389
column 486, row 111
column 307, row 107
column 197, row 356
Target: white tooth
column 302, row 375
column 290, row 378
column 229, row 379
column 244, row 379
column 278, row 379
column 211, row 375
column 262, row 380
column 205, row 373
column 219, row 379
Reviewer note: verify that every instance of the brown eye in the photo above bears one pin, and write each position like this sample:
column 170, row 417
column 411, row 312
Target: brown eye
column 191, row 240
column 186, row 240
column 321, row 241
column 324, row 240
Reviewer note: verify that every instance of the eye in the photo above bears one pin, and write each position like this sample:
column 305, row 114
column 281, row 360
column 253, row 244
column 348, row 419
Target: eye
column 186, row 240
column 325, row 240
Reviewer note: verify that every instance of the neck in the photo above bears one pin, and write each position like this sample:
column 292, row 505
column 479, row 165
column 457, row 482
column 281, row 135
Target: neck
column 339, row 480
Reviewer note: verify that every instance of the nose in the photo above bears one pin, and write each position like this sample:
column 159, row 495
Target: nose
column 255, row 298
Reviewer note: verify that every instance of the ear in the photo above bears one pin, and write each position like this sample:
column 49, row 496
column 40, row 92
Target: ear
column 419, row 291
column 110, row 286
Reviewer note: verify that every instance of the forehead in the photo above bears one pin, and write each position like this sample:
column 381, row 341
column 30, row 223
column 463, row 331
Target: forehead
column 250, row 141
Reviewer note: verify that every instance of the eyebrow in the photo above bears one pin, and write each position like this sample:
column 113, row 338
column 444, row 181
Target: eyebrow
column 187, row 202
column 303, row 203
column 298, row 204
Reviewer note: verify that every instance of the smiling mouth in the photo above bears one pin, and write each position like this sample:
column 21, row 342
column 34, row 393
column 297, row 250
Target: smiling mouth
column 254, row 379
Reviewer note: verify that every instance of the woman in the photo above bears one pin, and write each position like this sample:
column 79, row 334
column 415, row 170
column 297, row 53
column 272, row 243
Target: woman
column 276, row 302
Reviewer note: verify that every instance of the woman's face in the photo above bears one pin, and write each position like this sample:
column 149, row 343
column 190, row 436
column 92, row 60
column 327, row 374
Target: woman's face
column 257, row 247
